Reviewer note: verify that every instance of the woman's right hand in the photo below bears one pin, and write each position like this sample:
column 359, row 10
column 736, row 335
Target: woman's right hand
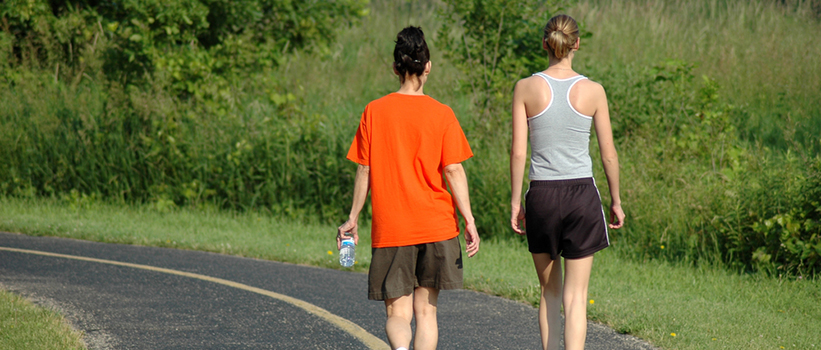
column 517, row 219
column 348, row 230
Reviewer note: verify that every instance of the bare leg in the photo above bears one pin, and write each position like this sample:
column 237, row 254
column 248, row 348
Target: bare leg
column 398, row 326
column 574, row 295
column 424, row 308
column 550, row 303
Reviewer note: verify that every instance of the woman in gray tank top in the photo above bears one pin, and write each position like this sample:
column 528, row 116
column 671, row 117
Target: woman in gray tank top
column 554, row 110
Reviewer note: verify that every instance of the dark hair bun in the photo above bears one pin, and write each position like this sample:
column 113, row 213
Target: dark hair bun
column 410, row 55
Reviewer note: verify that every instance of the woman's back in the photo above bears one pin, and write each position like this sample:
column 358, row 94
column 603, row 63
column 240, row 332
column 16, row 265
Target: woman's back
column 407, row 140
column 559, row 126
column 585, row 96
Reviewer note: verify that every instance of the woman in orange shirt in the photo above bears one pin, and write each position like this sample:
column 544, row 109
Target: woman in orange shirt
column 406, row 146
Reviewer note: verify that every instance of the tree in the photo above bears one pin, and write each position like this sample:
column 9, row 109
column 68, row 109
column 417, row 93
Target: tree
column 495, row 43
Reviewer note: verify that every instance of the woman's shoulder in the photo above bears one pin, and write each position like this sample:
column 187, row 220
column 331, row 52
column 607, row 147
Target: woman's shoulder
column 418, row 103
column 531, row 83
column 437, row 105
column 591, row 84
column 591, row 87
column 391, row 101
column 533, row 79
column 386, row 99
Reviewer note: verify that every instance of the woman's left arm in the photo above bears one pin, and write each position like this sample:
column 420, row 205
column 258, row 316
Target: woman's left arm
column 609, row 157
column 458, row 182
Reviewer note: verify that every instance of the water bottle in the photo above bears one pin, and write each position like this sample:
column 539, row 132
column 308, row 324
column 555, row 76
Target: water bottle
column 347, row 254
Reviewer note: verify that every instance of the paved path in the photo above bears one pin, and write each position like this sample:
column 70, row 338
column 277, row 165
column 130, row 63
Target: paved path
column 132, row 297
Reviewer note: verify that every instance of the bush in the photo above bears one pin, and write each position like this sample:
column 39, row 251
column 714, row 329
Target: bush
column 693, row 188
column 209, row 124
column 492, row 42
column 192, row 44
column 781, row 231
column 149, row 147
column 697, row 193
column 173, row 103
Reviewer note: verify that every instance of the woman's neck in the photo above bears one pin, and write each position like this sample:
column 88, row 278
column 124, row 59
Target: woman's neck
column 412, row 85
column 561, row 64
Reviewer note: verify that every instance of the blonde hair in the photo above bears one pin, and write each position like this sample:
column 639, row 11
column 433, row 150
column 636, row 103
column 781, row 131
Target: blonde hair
column 561, row 33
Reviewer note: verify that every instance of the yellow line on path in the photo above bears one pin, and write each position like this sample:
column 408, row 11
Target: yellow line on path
column 355, row 330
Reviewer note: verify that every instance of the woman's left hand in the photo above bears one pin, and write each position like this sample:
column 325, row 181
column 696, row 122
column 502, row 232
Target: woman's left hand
column 471, row 239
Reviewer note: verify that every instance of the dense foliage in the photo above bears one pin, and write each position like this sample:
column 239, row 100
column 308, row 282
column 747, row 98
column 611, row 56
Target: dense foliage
column 193, row 44
column 685, row 168
column 164, row 102
column 491, row 41
column 697, row 191
column 184, row 103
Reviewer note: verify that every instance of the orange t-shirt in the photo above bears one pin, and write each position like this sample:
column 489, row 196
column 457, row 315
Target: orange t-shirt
column 407, row 140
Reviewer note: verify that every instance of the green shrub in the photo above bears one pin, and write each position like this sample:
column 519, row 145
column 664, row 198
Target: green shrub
column 142, row 146
column 697, row 192
column 198, row 126
column 492, row 42
column 197, row 47
column 781, row 231
column 170, row 103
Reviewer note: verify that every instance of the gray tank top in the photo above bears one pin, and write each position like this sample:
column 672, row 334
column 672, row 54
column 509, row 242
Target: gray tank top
column 560, row 136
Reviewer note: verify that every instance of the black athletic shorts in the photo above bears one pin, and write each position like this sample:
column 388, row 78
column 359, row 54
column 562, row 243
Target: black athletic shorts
column 565, row 217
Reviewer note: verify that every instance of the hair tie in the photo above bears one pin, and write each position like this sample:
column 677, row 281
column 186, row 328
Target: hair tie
column 414, row 60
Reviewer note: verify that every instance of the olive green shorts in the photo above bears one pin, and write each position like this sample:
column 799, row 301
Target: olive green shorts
column 397, row 271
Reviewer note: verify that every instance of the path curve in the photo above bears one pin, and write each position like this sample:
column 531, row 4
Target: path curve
column 137, row 297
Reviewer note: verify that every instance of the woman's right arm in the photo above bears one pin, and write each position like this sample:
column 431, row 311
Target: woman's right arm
column 362, row 184
column 609, row 157
column 518, row 157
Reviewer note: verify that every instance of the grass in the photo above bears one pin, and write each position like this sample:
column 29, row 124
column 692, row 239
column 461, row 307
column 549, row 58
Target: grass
column 145, row 145
column 250, row 235
column 24, row 326
column 704, row 307
column 266, row 157
column 763, row 54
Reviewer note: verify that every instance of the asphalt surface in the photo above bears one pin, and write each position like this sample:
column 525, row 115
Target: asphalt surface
column 123, row 307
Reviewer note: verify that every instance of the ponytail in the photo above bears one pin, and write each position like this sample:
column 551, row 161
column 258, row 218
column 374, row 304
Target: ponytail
column 561, row 33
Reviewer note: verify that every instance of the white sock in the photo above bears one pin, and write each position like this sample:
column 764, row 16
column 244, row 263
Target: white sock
column 401, row 348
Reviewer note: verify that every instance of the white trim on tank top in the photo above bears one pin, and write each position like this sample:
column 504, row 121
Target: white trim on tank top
column 552, row 96
column 571, row 105
column 558, row 79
